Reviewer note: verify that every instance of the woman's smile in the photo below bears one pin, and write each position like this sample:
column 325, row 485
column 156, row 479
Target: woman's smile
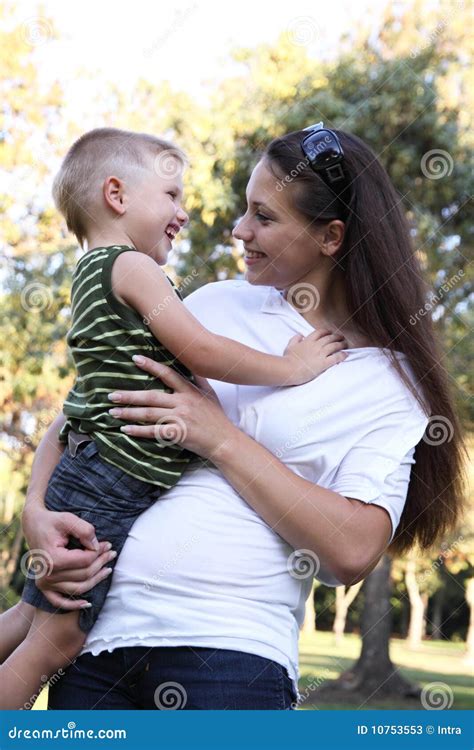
column 253, row 256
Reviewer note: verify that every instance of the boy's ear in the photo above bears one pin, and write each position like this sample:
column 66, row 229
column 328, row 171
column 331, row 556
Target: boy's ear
column 114, row 194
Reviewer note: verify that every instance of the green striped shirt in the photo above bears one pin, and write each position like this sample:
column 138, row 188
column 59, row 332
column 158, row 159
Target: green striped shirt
column 104, row 336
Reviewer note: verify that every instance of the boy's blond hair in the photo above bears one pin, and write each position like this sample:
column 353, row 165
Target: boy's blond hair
column 98, row 154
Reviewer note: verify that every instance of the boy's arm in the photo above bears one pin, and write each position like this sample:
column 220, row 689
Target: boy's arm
column 139, row 282
column 47, row 532
column 47, row 456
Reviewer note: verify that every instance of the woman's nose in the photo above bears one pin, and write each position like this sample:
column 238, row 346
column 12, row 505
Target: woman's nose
column 241, row 231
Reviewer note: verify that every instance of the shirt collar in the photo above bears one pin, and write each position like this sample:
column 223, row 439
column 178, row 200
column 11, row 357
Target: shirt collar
column 275, row 303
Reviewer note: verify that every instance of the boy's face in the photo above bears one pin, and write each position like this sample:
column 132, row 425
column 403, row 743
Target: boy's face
column 154, row 215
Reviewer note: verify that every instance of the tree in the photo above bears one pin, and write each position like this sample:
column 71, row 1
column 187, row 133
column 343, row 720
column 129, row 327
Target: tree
column 421, row 139
column 344, row 599
column 369, row 91
column 470, row 633
column 403, row 91
column 422, row 574
column 374, row 672
column 309, row 624
column 33, row 300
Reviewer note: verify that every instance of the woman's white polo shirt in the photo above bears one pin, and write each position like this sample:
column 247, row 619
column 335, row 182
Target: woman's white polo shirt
column 200, row 567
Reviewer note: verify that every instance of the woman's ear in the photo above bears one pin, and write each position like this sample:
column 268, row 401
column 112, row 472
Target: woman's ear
column 333, row 237
column 114, row 194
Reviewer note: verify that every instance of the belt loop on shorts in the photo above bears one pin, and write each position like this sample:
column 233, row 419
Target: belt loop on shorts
column 74, row 440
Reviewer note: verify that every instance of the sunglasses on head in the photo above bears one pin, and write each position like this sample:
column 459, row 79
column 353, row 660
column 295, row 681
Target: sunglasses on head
column 325, row 156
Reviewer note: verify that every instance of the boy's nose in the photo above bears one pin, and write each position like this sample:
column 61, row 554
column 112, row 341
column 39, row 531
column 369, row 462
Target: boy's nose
column 182, row 217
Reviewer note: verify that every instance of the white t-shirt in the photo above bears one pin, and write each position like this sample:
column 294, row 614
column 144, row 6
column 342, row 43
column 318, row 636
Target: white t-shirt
column 201, row 567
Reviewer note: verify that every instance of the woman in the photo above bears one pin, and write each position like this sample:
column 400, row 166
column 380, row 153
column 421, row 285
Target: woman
column 208, row 594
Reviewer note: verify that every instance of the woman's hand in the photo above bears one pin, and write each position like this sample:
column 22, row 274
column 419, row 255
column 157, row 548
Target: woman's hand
column 191, row 417
column 60, row 571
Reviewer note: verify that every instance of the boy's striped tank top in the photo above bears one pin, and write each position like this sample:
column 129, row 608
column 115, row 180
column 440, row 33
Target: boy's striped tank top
column 104, row 336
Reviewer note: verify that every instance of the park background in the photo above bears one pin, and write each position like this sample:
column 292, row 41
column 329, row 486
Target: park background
column 222, row 81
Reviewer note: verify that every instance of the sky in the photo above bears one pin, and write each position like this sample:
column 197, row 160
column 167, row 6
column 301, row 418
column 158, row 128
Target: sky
column 186, row 42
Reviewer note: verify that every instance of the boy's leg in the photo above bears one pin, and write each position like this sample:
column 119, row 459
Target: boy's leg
column 14, row 626
column 52, row 643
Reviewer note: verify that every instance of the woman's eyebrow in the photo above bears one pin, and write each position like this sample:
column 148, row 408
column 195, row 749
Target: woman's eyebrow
column 263, row 205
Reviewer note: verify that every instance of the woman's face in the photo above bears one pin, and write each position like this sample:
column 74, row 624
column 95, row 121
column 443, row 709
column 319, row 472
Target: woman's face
column 281, row 247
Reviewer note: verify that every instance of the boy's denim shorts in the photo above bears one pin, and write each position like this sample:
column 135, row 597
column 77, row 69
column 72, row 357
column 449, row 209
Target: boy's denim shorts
column 107, row 497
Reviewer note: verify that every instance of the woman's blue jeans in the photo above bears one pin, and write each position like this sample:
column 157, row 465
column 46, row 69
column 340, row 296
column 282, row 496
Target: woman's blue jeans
column 173, row 678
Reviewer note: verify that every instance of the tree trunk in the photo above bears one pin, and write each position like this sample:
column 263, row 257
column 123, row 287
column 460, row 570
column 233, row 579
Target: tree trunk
column 374, row 673
column 418, row 604
column 425, row 599
column 437, row 616
column 344, row 600
column 309, row 624
column 404, row 618
column 469, row 656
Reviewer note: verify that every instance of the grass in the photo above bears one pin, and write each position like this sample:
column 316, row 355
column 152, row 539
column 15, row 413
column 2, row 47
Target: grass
column 435, row 661
column 321, row 660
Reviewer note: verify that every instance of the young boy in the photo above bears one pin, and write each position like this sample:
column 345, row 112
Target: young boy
column 120, row 194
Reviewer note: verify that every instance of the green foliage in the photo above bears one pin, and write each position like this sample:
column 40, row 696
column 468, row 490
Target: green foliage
column 403, row 90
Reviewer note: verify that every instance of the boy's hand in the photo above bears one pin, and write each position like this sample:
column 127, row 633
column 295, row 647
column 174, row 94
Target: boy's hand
column 309, row 356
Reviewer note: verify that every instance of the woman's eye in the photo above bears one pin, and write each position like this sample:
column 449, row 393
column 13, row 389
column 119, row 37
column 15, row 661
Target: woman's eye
column 261, row 217
column 173, row 195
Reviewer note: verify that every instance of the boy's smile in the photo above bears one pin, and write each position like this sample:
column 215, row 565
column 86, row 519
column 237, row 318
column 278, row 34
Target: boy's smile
column 154, row 215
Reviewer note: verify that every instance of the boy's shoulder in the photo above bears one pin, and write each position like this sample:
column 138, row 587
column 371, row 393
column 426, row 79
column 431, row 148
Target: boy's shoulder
column 99, row 256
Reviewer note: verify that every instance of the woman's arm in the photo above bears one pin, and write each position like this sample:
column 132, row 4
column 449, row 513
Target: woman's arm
column 348, row 535
column 139, row 282
column 49, row 532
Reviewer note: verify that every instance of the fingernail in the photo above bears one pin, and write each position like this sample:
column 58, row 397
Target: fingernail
column 108, row 546
column 138, row 359
column 108, row 570
column 86, row 606
column 125, row 428
column 112, row 555
column 115, row 412
column 114, row 396
column 95, row 543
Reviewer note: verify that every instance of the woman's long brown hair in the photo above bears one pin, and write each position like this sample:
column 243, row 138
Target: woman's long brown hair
column 385, row 291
